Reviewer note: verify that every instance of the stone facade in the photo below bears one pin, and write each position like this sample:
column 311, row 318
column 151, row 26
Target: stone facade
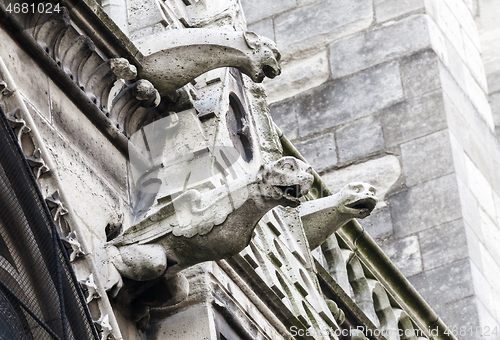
column 403, row 95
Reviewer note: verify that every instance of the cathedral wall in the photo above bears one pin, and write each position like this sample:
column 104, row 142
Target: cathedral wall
column 90, row 168
column 394, row 93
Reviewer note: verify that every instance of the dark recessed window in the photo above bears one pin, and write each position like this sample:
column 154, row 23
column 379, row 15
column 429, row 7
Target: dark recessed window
column 239, row 128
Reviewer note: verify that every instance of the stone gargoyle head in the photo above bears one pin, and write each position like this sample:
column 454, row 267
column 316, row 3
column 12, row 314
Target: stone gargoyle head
column 286, row 180
column 267, row 57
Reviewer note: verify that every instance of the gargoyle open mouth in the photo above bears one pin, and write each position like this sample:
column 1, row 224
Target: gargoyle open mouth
column 368, row 203
column 290, row 191
column 271, row 72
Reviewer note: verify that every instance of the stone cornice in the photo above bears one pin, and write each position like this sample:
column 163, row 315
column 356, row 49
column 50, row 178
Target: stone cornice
column 79, row 49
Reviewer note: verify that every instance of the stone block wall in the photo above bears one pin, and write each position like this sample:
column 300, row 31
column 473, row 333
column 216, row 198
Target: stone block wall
column 395, row 93
column 76, row 146
column 487, row 13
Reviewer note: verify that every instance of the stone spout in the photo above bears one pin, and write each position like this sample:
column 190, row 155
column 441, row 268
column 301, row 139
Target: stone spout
column 176, row 57
column 145, row 261
column 322, row 217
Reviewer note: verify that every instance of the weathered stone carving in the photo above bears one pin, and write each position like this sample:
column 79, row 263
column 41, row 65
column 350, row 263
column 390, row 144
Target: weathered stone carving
column 176, row 57
column 97, row 76
column 18, row 124
column 37, row 163
column 322, row 217
column 104, row 327
column 74, row 245
column 197, row 227
column 89, row 285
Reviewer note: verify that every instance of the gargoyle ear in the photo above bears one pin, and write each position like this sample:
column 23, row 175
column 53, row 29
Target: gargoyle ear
column 252, row 39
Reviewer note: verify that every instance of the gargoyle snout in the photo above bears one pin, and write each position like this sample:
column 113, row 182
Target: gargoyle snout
column 291, row 174
column 270, row 71
column 361, row 199
column 271, row 67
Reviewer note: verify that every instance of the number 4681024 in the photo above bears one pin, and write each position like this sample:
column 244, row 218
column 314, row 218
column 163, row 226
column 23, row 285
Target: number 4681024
column 33, row 8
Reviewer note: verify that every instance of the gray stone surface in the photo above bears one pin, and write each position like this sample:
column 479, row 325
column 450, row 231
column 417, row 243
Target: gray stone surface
column 34, row 88
column 263, row 27
column 470, row 210
column 256, row 10
column 389, row 9
column 445, row 284
column 324, row 18
column 483, row 288
column 427, row 157
column 493, row 76
column 495, row 109
column 369, row 48
column 144, row 14
column 462, row 313
column 349, row 98
column 379, row 224
column 425, row 205
column 85, row 137
column 82, row 181
column 488, row 323
column 359, row 138
column 443, row 244
column 283, row 114
column 470, row 128
column 298, row 76
column 420, row 73
column 413, row 118
column 382, row 172
column 491, row 233
column 405, row 254
column 319, row 151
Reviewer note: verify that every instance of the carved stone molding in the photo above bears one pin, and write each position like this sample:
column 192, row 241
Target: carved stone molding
column 109, row 83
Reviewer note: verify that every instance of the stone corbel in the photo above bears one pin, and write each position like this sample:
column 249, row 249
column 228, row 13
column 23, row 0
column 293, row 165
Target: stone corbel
column 322, row 217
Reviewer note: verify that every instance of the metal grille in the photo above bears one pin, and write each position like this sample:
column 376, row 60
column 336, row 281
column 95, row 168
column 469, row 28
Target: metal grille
column 39, row 294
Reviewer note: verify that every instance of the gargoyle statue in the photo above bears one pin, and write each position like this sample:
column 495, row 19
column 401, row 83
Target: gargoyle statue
column 196, row 227
column 322, row 217
column 176, row 57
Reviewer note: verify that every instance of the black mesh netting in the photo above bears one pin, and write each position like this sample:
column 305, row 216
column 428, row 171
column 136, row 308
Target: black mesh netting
column 39, row 295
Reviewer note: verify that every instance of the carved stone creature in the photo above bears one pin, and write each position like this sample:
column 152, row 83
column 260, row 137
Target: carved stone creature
column 322, row 217
column 176, row 57
column 197, row 227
